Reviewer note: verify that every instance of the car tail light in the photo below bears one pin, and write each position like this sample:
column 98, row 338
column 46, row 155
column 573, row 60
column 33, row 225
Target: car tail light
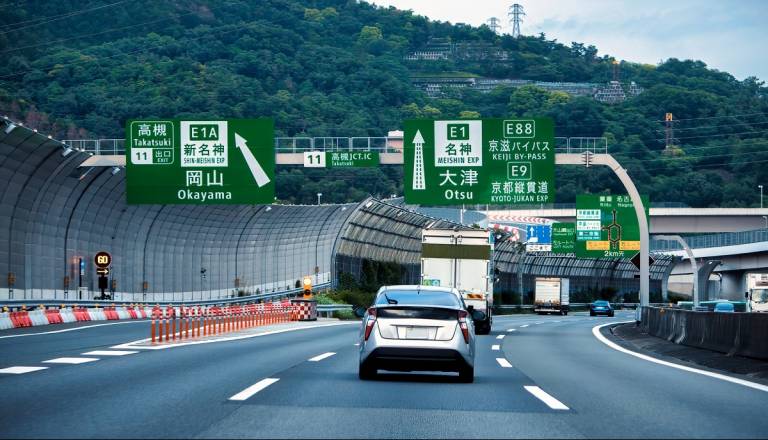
column 371, row 321
column 463, row 325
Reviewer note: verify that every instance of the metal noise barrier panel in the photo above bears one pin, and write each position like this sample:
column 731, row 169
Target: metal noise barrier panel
column 743, row 334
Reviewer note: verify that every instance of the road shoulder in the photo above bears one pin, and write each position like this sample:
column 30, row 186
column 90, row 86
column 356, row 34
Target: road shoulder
column 629, row 336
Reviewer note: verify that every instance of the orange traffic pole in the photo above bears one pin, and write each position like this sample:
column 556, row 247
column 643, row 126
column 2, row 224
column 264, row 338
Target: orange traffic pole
column 186, row 326
column 205, row 325
column 153, row 330
column 173, row 324
column 163, row 324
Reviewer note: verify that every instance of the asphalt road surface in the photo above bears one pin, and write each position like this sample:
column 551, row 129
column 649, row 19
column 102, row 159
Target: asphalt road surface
column 535, row 376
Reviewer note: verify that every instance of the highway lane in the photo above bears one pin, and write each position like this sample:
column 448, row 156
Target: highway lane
column 632, row 397
column 66, row 339
column 186, row 391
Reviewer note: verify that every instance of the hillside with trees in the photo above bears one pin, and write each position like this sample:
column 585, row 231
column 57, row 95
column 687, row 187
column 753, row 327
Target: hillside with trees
column 338, row 68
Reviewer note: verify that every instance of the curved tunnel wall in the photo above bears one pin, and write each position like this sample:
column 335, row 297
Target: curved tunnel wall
column 386, row 233
column 54, row 212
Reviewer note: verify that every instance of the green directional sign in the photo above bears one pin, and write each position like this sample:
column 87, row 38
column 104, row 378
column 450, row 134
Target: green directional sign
column 606, row 226
column 494, row 161
column 351, row 159
column 341, row 159
column 173, row 161
column 564, row 238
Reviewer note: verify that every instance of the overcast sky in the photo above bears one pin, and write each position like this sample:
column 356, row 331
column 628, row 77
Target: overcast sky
column 728, row 35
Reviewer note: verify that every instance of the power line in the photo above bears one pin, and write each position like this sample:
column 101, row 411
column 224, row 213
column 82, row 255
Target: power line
column 715, row 135
column 717, row 117
column 709, row 127
column 61, row 40
column 53, row 18
column 96, row 58
column 719, row 164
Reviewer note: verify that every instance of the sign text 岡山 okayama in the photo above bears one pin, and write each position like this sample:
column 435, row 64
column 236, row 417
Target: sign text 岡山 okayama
column 200, row 162
column 493, row 161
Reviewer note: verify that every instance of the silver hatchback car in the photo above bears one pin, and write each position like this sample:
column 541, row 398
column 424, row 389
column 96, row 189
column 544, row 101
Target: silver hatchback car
column 418, row 328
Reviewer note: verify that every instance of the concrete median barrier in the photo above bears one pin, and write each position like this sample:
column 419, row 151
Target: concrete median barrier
column 743, row 334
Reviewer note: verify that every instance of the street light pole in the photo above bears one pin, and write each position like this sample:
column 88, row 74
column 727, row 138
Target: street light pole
column 318, row 197
column 761, row 195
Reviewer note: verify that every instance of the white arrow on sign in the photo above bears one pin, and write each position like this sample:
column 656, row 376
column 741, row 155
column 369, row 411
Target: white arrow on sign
column 257, row 171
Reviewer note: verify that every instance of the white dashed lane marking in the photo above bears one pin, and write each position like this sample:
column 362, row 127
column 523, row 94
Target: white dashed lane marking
column 495, row 347
column 70, row 360
column 546, row 398
column 524, row 326
column 500, row 337
column 319, row 358
column 21, row 370
column 504, row 363
column 510, row 330
column 253, row 389
column 109, row 353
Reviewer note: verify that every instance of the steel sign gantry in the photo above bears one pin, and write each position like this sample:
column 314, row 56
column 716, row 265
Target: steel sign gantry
column 605, row 159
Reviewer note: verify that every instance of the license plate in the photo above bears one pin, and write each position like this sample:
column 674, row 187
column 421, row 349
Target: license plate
column 416, row 333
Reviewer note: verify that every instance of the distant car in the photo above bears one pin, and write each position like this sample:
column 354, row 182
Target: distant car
column 418, row 328
column 724, row 307
column 600, row 308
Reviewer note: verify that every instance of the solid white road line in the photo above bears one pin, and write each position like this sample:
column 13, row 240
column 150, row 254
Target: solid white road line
column 504, row 363
column 109, row 353
column 70, row 360
column 85, row 327
column 538, row 322
column 546, row 398
column 500, row 337
column 21, row 370
column 253, row 389
column 495, row 347
column 320, row 357
column 604, row 340
column 524, row 326
column 510, row 330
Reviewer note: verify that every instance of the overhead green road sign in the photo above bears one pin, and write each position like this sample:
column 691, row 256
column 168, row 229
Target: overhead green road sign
column 606, row 226
column 493, row 161
column 341, row 159
column 174, row 161
column 563, row 238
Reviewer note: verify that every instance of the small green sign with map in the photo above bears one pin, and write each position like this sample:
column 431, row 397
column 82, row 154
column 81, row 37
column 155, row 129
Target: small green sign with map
column 606, row 226
column 173, row 161
column 493, row 161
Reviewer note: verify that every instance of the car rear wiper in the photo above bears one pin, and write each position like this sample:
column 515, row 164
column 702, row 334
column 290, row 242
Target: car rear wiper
column 390, row 301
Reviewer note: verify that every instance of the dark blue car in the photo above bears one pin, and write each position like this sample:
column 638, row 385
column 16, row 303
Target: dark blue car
column 600, row 307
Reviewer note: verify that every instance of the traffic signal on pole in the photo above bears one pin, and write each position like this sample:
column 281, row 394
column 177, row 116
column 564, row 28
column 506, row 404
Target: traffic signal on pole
column 307, row 286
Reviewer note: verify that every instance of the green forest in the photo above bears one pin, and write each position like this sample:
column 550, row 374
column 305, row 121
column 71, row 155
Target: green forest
column 80, row 69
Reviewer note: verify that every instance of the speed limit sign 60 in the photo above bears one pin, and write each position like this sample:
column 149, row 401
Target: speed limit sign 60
column 103, row 259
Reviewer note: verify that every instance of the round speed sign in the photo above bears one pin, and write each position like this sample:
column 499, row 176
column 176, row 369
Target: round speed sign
column 103, row 259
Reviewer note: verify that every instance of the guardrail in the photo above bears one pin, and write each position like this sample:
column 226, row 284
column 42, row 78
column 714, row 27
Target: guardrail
column 731, row 333
column 102, row 303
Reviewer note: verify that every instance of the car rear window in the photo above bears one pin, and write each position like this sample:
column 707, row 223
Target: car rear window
column 421, row 297
column 417, row 313
column 601, row 303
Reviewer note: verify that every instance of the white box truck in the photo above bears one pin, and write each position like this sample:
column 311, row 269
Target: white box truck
column 757, row 296
column 552, row 296
column 461, row 259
